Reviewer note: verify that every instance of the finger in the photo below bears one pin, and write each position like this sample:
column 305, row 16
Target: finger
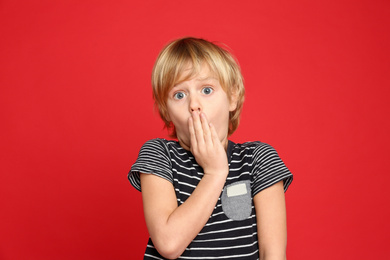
column 206, row 129
column 198, row 128
column 214, row 135
column 193, row 142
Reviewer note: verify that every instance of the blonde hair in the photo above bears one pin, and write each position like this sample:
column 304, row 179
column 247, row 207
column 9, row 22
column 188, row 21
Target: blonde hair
column 176, row 57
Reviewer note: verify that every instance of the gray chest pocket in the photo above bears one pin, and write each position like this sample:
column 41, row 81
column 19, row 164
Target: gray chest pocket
column 237, row 200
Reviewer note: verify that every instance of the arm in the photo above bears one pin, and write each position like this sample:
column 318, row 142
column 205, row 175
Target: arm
column 172, row 228
column 271, row 222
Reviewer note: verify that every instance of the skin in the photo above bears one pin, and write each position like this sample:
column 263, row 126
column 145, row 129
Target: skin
column 200, row 95
column 199, row 109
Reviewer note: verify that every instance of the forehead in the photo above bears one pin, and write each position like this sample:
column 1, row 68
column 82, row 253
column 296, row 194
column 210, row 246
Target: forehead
column 199, row 72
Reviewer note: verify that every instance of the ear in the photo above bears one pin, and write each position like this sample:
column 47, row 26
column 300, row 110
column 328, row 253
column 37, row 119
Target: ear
column 233, row 101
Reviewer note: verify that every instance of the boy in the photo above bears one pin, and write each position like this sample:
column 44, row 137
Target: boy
column 204, row 196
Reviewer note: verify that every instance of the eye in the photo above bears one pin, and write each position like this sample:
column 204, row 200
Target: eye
column 179, row 95
column 207, row 90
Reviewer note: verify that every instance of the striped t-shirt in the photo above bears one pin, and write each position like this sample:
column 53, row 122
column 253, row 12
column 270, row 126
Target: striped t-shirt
column 231, row 231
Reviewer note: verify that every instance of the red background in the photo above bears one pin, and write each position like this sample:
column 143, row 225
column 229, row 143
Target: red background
column 76, row 106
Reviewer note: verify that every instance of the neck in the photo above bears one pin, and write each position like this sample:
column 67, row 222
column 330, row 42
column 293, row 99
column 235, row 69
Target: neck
column 224, row 142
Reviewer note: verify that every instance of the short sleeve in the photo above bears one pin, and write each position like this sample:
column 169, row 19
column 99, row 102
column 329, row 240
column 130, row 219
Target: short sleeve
column 153, row 158
column 268, row 169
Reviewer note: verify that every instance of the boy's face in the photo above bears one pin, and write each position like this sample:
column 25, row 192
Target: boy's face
column 201, row 93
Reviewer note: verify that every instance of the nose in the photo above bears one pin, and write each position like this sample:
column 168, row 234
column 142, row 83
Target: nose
column 195, row 104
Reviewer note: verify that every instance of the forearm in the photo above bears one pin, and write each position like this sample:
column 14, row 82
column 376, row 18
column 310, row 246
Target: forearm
column 272, row 244
column 173, row 229
column 185, row 223
column 272, row 256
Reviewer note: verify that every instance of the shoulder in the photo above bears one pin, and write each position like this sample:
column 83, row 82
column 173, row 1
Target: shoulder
column 161, row 142
column 260, row 155
column 268, row 167
column 263, row 152
column 153, row 158
column 157, row 145
column 153, row 152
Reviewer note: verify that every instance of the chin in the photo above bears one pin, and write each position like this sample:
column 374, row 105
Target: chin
column 185, row 143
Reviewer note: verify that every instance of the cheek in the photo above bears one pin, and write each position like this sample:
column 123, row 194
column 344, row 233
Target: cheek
column 220, row 119
column 182, row 132
column 180, row 122
column 221, row 112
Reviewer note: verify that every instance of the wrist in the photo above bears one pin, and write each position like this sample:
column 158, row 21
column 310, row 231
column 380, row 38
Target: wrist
column 216, row 176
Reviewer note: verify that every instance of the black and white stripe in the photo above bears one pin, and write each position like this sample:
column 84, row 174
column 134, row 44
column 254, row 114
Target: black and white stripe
column 221, row 237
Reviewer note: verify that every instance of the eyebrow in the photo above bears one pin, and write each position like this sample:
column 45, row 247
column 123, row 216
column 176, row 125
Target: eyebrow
column 206, row 78
column 199, row 80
